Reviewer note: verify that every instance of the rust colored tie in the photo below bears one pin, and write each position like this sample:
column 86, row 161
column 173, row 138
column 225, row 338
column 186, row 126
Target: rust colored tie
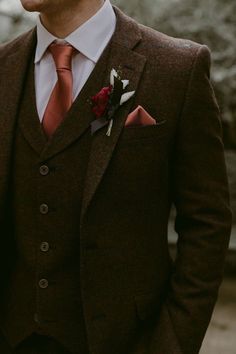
column 61, row 97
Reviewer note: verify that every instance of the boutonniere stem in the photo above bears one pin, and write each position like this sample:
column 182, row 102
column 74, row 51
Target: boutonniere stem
column 110, row 125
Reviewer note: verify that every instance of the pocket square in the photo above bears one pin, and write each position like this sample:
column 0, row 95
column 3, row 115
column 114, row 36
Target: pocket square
column 139, row 117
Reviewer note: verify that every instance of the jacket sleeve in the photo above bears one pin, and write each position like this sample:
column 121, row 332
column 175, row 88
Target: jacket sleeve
column 203, row 221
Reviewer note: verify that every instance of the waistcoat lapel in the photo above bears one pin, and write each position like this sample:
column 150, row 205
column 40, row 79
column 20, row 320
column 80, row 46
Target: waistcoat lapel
column 122, row 56
column 13, row 65
column 28, row 115
column 75, row 124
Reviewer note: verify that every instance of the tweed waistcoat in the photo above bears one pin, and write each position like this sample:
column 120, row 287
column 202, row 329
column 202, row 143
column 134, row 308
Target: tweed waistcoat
column 43, row 291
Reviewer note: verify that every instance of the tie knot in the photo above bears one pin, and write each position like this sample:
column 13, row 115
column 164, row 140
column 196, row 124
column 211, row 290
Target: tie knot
column 62, row 55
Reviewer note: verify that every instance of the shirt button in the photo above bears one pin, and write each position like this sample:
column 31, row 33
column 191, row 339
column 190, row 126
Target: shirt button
column 43, row 283
column 44, row 170
column 43, row 209
column 44, row 247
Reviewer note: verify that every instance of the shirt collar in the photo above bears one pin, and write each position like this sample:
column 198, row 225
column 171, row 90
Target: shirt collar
column 90, row 39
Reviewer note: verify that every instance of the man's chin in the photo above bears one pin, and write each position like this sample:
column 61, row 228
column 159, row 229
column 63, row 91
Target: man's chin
column 33, row 5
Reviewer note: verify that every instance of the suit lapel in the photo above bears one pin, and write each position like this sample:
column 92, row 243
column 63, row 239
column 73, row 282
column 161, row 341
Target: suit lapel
column 131, row 64
column 13, row 66
column 80, row 115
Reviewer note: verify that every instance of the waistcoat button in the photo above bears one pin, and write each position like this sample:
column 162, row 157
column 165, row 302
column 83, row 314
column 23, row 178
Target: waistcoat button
column 44, row 170
column 43, row 209
column 44, row 247
column 43, row 283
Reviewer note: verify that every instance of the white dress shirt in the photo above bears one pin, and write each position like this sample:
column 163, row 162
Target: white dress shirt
column 90, row 39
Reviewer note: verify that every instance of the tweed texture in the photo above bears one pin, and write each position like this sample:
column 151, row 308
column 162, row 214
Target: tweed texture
column 35, row 344
column 135, row 299
column 55, row 311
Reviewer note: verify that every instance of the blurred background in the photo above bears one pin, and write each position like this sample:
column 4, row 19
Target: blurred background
column 211, row 22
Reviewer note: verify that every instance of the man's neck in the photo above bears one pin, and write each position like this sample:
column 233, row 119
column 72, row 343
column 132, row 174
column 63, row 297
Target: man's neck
column 68, row 19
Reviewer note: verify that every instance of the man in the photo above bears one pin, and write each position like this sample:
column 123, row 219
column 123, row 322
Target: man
column 90, row 166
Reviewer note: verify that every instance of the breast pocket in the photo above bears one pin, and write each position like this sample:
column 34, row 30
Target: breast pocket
column 133, row 134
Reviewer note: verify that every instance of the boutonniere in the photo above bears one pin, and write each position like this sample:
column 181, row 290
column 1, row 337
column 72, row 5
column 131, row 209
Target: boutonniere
column 107, row 101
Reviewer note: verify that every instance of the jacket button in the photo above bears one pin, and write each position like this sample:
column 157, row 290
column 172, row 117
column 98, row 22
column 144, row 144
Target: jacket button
column 44, row 247
column 43, row 209
column 44, row 170
column 43, row 283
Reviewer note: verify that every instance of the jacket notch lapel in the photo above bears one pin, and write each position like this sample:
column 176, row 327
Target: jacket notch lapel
column 131, row 65
column 13, row 65
column 80, row 115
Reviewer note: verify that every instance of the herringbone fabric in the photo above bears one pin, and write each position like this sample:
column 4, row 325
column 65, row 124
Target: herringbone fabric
column 40, row 345
column 134, row 300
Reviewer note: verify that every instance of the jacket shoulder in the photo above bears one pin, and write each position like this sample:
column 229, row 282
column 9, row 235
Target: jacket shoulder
column 174, row 54
column 10, row 47
column 151, row 35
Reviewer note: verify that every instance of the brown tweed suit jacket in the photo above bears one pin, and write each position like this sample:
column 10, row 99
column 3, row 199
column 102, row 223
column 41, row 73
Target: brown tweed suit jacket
column 135, row 299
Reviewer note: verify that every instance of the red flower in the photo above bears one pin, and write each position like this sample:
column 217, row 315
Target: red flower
column 100, row 101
